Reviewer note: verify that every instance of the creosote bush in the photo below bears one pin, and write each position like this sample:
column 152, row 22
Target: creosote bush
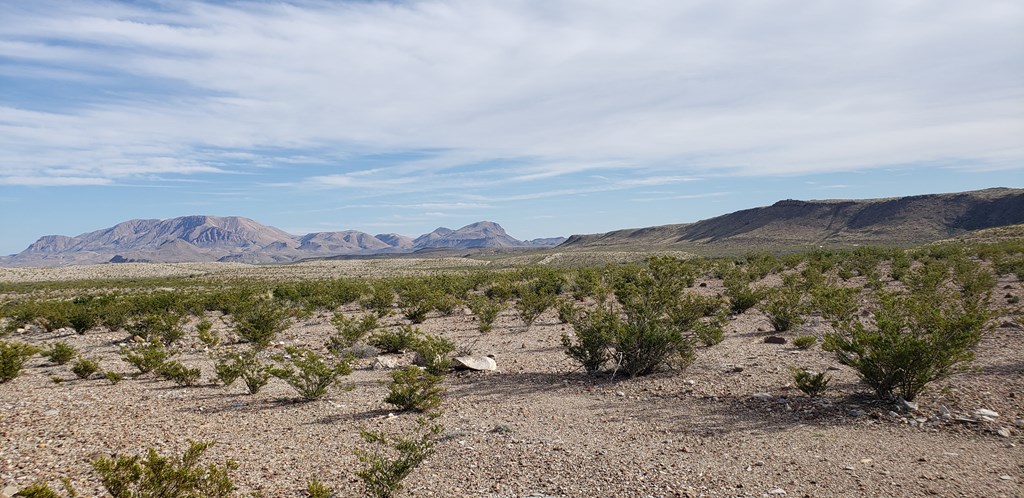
column 157, row 476
column 805, row 341
column 920, row 335
column 434, row 353
column 147, row 357
column 163, row 327
column 85, row 367
column 317, row 489
column 395, row 340
column 351, row 330
column 260, row 322
column 486, row 311
column 394, row 458
column 209, row 338
column 13, row 355
column 179, row 373
column 113, row 377
column 380, row 298
column 414, row 389
column 60, row 353
column 812, row 384
column 254, row 372
column 309, row 373
column 783, row 308
column 591, row 341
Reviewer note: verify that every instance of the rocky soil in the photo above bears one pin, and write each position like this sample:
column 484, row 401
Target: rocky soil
column 731, row 424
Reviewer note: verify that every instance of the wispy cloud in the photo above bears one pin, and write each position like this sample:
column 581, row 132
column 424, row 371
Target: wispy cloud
column 646, row 88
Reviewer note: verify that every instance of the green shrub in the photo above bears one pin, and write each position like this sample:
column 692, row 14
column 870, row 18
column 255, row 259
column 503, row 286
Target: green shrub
column 260, row 323
column 741, row 295
column 486, row 311
column 811, row 383
column 147, row 357
column 350, row 331
column 82, row 318
column 317, row 489
column 163, row 327
column 835, row 303
column 60, row 353
column 209, row 338
column 85, row 367
column 918, row 336
column 228, row 368
column 710, row 331
column 179, row 373
column 783, row 308
column 42, row 490
column 591, row 342
column 416, row 299
column 113, row 377
column 13, row 355
column 395, row 340
column 805, row 341
column 254, row 373
column 434, row 353
column 312, row 375
column 414, row 389
column 156, row 476
column 567, row 310
column 380, row 299
column 648, row 339
column 383, row 471
column 532, row 303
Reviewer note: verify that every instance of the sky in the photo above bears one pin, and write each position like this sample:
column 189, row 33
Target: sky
column 548, row 117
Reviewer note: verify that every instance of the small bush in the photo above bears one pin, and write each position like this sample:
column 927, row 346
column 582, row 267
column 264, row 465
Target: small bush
column 260, row 323
column 486, row 311
column 741, row 295
column 228, row 368
column 811, row 383
column 350, row 331
column 380, row 299
column 383, row 471
column 805, row 341
column 783, row 309
column 835, row 303
column 113, row 377
column 61, row 353
column 395, row 340
column 147, row 357
column 163, row 327
column 85, row 367
column 254, row 373
column 209, row 338
column 42, row 490
column 82, row 318
column 917, row 336
column 532, row 303
column 591, row 342
column 711, row 331
column 434, row 353
column 157, row 476
column 312, row 374
column 13, row 355
column 317, row 489
column 414, row 389
column 179, row 373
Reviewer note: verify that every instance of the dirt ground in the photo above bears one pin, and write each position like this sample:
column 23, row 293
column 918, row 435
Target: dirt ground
column 540, row 427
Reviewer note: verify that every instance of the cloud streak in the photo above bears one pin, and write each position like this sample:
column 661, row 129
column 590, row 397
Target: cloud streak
column 510, row 92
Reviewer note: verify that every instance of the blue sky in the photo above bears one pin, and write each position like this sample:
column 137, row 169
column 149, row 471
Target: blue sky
column 548, row 117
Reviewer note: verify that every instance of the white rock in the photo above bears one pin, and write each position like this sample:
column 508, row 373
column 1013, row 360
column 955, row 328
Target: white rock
column 8, row 492
column 51, row 413
column 763, row 396
column 385, row 363
column 982, row 412
column 1004, row 432
column 474, row 363
column 777, row 492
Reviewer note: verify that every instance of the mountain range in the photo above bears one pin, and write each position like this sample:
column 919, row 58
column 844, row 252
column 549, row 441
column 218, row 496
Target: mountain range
column 794, row 224
column 785, row 225
column 202, row 238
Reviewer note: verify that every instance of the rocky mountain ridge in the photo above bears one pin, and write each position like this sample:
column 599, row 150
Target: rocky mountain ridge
column 202, row 238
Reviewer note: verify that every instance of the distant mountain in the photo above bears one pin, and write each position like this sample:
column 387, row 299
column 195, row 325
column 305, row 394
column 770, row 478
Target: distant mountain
column 792, row 223
column 237, row 239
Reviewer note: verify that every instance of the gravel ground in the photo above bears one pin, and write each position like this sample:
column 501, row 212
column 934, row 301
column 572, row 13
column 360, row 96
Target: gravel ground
column 540, row 427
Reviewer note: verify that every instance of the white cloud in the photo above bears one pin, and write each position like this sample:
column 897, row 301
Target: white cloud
column 547, row 89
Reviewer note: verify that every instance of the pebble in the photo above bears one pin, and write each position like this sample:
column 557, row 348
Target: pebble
column 8, row 492
column 763, row 396
column 51, row 413
column 777, row 492
column 907, row 406
column 1005, row 477
column 1003, row 432
column 982, row 412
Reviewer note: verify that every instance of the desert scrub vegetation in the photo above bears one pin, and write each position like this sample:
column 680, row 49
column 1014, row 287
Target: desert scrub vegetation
column 810, row 383
column 434, row 353
column 164, row 327
column 486, row 310
column 60, row 353
column 147, row 357
column 783, row 308
column 85, row 367
column 156, row 476
column 394, row 458
column 414, row 389
column 805, row 341
column 179, row 373
column 260, row 322
column 309, row 373
column 379, row 299
column 918, row 335
column 351, row 330
column 396, row 340
column 13, row 355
